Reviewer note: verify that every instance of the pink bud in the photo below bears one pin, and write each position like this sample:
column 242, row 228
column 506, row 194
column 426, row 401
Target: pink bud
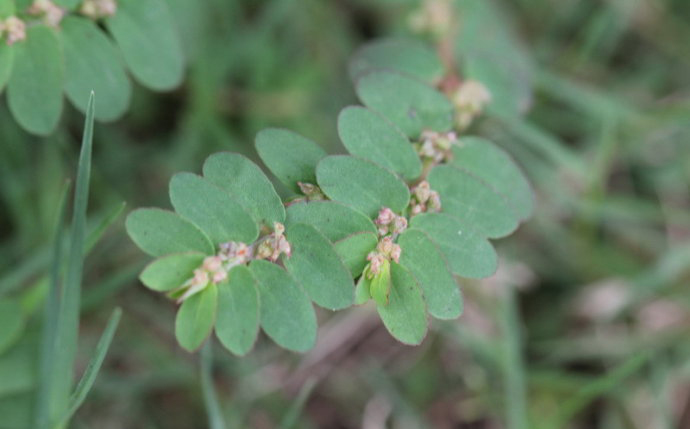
column 385, row 217
column 395, row 253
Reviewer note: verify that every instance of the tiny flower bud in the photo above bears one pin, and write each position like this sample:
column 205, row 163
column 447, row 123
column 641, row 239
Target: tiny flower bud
column 469, row 100
column 395, row 253
column 278, row 228
column 97, row 9
column 422, row 192
column 264, row 251
column 399, row 225
column 52, row 14
column 386, row 216
column 15, row 30
column 434, row 202
column 312, row 192
column 220, row 276
column 385, row 246
column 376, row 262
column 284, row 247
column 212, row 263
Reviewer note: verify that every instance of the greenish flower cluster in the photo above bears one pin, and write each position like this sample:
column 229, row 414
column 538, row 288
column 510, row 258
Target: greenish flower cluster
column 411, row 208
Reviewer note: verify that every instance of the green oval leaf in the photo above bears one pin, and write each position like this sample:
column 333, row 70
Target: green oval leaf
column 332, row 219
column 93, row 63
column 410, row 104
column 361, row 184
column 495, row 167
column 171, row 271
column 195, row 318
column 247, row 184
column 160, row 232
column 353, row 250
column 237, row 322
column 12, row 322
column 428, row 265
column 405, row 314
column 368, row 135
column 290, row 157
column 34, row 91
column 287, row 315
column 145, row 32
column 468, row 253
column 212, row 209
column 408, row 56
column 318, row 268
column 473, row 201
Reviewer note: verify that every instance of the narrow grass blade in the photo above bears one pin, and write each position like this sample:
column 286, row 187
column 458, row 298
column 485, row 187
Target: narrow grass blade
column 50, row 315
column 293, row 413
column 89, row 377
column 213, row 410
column 515, row 391
column 67, row 326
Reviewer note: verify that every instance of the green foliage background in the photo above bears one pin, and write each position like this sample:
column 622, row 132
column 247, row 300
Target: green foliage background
column 596, row 333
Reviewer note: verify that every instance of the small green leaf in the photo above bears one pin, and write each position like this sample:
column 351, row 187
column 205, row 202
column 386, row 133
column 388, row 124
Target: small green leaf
column 405, row 314
column 145, row 32
column 212, row 209
column 334, row 220
column 380, row 285
column 410, row 104
column 12, row 322
column 428, row 265
column 408, row 56
column 368, row 135
column 159, row 232
column 287, row 315
column 473, row 201
column 496, row 167
column 318, row 268
column 362, row 290
column 171, row 271
column 196, row 317
column 361, row 184
column 290, row 157
column 247, row 184
column 353, row 250
column 92, row 63
column 34, row 91
column 237, row 323
column 469, row 254
column 6, row 63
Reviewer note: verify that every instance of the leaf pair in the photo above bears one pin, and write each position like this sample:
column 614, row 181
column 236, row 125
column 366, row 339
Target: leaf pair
column 80, row 57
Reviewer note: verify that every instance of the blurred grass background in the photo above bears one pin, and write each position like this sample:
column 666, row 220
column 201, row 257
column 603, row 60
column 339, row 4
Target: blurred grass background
column 587, row 324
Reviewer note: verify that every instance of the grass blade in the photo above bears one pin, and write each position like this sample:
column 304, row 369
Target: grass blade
column 515, row 390
column 89, row 377
column 67, row 326
column 50, row 315
column 295, row 410
column 213, row 410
